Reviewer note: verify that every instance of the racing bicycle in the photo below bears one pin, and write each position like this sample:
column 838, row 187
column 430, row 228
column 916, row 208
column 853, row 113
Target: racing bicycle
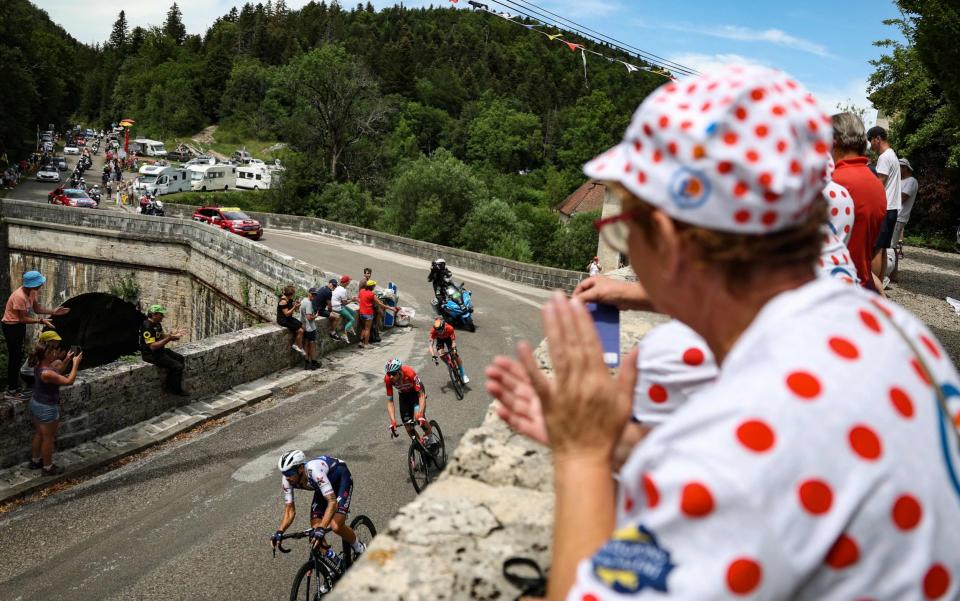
column 318, row 574
column 453, row 370
column 420, row 457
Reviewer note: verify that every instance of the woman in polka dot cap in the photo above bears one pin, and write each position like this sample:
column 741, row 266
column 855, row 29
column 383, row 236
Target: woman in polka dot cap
column 823, row 461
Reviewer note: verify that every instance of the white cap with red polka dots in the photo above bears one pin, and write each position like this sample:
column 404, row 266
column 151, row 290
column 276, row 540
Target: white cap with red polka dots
column 742, row 149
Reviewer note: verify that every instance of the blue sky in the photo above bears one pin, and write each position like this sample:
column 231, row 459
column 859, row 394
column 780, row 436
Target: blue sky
column 825, row 44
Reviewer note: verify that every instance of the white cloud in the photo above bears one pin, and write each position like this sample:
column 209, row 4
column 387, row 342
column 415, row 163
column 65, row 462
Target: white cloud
column 704, row 63
column 853, row 92
column 745, row 34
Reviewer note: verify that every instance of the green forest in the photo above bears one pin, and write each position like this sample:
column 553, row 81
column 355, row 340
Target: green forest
column 450, row 126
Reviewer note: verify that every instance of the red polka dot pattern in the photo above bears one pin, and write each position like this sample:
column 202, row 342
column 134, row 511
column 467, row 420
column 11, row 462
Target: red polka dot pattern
column 816, row 496
column 844, row 553
column 650, row 491
column 628, row 503
column 931, row 346
column 589, row 597
column 865, row 442
column 842, row 347
column 936, row 582
column 729, row 126
column 804, row 384
column 693, row 357
column 906, row 512
column 901, row 402
column 921, row 373
column 756, row 435
column 870, row 320
column 658, row 394
column 744, row 575
column 696, row 501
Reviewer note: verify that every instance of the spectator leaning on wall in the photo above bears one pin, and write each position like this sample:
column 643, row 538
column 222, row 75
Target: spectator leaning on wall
column 22, row 308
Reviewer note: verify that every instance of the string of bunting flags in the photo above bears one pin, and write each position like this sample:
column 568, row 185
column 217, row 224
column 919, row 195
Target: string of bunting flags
column 573, row 46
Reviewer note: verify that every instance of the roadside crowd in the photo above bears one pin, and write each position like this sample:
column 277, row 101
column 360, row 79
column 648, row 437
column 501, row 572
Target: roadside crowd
column 789, row 434
column 333, row 301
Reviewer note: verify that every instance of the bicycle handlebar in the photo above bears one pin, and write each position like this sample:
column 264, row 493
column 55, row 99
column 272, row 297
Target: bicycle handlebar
column 411, row 423
column 293, row 535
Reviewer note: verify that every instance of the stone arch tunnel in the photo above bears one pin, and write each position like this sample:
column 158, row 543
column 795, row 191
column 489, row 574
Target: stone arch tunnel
column 106, row 327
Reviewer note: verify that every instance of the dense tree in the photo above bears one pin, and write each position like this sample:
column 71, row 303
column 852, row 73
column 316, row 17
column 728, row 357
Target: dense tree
column 505, row 138
column 913, row 84
column 336, row 104
column 174, row 26
column 119, row 33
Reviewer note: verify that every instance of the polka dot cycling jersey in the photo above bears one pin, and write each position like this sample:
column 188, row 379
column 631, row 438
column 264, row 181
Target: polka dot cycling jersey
column 317, row 480
column 835, row 259
column 839, row 210
column 818, row 466
column 674, row 362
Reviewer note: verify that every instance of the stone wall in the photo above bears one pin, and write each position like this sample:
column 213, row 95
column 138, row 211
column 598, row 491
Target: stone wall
column 514, row 271
column 109, row 398
column 238, row 269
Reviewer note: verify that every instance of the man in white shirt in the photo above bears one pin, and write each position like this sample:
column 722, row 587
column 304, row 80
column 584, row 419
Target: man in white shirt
column 340, row 313
column 908, row 194
column 888, row 170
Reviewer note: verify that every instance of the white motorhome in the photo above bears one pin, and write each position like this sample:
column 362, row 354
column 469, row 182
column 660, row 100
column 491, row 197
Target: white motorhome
column 258, row 176
column 162, row 179
column 221, row 176
column 147, row 147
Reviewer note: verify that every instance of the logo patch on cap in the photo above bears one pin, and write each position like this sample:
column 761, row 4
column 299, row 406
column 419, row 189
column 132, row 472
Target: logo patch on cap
column 689, row 188
column 633, row 560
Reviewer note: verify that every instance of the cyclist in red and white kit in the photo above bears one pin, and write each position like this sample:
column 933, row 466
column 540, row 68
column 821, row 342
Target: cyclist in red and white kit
column 413, row 397
column 443, row 335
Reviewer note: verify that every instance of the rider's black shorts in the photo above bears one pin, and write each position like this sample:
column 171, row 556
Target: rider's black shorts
column 342, row 482
column 439, row 343
column 409, row 403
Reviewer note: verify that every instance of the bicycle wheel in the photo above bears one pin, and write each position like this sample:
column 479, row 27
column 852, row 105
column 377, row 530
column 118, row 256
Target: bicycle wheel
column 440, row 454
column 363, row 527
column 417, row 464
column 310, row 584
column 455, row 380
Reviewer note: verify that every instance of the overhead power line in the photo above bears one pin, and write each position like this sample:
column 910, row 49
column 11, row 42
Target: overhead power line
column 540, row 17
column 675, row 66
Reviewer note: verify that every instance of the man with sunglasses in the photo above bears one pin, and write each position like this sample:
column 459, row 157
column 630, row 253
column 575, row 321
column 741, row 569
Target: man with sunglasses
column 413, row 398
column 332, row 486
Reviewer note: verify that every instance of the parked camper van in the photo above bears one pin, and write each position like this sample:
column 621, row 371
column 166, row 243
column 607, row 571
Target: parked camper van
column 257, row 176
column 149, row 148
column 162, row 179
column 221, row 176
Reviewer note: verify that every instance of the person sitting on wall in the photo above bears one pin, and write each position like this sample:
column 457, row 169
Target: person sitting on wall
column 153, row 348
column 286, row 309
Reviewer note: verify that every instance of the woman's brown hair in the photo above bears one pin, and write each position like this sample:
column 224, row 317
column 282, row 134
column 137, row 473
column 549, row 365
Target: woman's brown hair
column 40, row 351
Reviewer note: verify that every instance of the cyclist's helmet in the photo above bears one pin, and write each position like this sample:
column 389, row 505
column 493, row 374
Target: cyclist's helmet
column 392, row 366
column 291, row 459
column 439, row 324
column 439, row 264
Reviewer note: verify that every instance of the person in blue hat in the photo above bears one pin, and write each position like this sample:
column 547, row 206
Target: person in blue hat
column 22, row 308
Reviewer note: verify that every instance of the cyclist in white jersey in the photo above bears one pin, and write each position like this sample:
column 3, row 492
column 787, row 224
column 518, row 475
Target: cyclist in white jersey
column 332, row 486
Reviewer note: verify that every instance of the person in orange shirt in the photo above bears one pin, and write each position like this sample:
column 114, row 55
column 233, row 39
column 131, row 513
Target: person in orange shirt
column 22, row 308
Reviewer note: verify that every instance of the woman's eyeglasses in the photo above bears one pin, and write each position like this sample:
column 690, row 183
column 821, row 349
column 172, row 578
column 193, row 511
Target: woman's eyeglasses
column 615, row 230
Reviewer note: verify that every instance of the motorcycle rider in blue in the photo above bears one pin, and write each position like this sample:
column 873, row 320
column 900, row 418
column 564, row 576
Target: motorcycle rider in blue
column 440, row 276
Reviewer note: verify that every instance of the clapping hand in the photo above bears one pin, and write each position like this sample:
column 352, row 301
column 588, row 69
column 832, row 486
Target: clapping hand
column 517, row 401
column 584, row 409
column 60, row 311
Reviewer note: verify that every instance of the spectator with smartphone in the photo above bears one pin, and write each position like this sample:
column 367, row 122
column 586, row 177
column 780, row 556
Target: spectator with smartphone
column 725, row 234
column 22, row 308
column 343, row 316
column 287, row 308
column 47, row 360
column 153, row 348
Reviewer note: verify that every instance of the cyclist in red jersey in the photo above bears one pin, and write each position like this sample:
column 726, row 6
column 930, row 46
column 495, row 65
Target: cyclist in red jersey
column 443, row 335
column 413, row 397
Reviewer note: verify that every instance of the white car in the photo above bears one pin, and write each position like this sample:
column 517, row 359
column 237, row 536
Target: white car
column 71, row 150
column 48, row 173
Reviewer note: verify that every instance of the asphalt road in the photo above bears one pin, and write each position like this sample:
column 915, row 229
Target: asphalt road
column 192, row 519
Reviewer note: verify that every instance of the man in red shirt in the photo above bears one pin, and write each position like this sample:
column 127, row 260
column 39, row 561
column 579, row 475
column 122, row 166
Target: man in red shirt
column 869, row 198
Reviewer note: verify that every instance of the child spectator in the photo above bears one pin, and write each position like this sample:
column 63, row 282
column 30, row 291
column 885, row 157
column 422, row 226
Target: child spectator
column 308, row 316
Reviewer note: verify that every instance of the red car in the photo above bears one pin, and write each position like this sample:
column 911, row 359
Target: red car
column 71, row 197
column 231, row 219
